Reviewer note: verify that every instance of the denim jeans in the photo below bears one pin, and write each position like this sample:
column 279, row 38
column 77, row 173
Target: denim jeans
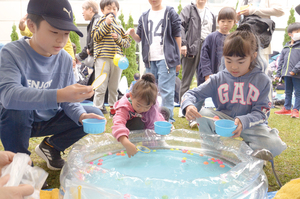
column 166, row 83
column 292, row 83
column 17, row 126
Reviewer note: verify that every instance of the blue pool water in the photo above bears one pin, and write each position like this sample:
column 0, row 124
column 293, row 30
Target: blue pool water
column 158, row 174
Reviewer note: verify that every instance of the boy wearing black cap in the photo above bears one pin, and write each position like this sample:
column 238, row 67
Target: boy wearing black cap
column 38, row 94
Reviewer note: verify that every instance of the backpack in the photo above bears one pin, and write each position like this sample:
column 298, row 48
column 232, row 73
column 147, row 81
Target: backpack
column 263, row 28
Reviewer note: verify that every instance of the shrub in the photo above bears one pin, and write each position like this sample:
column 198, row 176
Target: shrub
column 14, row 35
column 75, row 38
column 129, row 52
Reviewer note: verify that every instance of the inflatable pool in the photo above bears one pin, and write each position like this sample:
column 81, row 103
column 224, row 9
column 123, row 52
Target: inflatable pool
column 183, row 164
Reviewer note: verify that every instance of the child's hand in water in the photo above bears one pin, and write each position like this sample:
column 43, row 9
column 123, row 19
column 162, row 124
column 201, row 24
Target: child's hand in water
column 191, row 113
column 239, row 128
column 130, row 148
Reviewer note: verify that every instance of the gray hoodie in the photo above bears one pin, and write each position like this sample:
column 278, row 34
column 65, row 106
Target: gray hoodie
column 245, row 97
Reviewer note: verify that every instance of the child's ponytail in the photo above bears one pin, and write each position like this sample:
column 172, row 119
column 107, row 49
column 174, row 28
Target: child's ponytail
column 145, row 89
column 260, row 62
column 243, row 42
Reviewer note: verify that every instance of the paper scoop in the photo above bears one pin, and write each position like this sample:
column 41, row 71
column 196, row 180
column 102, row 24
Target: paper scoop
column 99, row 80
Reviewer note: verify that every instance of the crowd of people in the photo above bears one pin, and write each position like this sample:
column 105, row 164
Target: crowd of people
column 39, row 95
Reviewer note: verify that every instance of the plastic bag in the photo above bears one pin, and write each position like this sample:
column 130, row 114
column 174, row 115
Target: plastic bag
column 22, row 173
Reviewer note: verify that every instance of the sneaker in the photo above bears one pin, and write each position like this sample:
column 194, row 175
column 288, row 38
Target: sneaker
column 193, row 124
column 45, row 185
column 50, row 155
column 112, row 112
column 283, row 111
column 103, row 110
column 180, row 113
column 295, row 113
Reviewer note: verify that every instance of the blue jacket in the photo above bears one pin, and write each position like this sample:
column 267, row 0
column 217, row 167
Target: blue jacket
column 245, row 97
column 211, row 54
column 289, row 61
column 170, row 28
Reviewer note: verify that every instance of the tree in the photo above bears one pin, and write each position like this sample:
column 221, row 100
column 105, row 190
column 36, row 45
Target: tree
column 14, row 35
column 235, row 26
column 290, row 21
column 129, row 52
column 179, row 7
column 75, row 38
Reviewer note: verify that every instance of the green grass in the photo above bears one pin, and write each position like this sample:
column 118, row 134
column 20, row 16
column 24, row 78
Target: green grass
column 286, row 165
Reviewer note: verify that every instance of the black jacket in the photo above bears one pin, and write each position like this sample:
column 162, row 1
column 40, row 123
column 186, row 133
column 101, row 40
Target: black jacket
column 191, row 28
column 89, row 39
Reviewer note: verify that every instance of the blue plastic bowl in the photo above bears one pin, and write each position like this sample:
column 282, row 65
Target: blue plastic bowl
column 162, row 127
column 225, row 127
column 93, row 126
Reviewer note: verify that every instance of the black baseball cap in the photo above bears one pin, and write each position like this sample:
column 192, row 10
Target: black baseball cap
column 58, row 13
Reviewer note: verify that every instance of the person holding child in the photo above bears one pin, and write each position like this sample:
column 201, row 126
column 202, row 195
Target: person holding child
column 289, row 70
column 263, row 9
column 159, row 29
column 240, row 93
column 109, row 39
column 38, row 92
column 138, row 110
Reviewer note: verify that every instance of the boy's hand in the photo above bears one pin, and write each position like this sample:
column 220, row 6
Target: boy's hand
column 90, row 115
column 277, row 78
column 207, row 77
column 292, row 73
column 191, row 113
column 130, row 31
column 74, row 93
column 114, row 35
column 237, row 132
column 22, row 24
column 130, row 148
column 183, row 50
column 109, row 19
column 178, row 68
